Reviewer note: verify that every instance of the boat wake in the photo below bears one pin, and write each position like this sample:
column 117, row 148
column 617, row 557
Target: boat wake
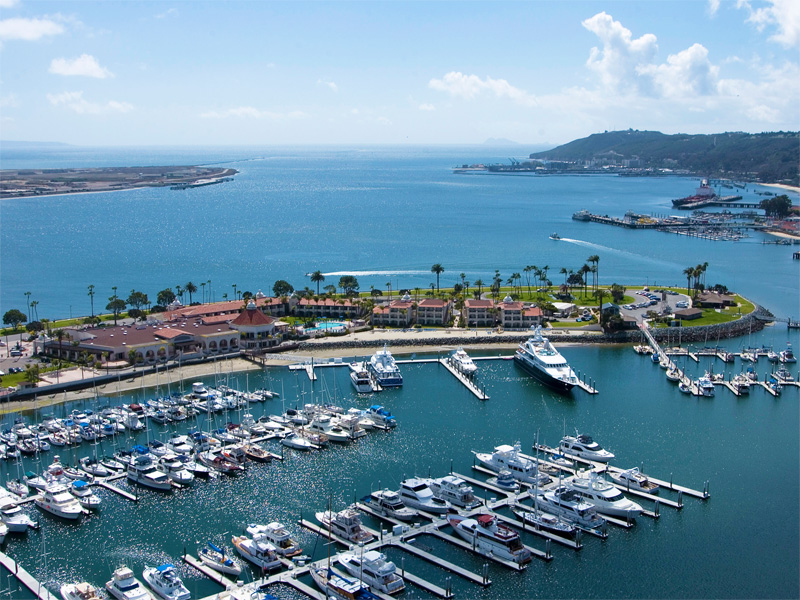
column 369, row 273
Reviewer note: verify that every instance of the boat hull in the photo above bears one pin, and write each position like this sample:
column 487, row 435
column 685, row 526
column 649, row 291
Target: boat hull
column 558, row 385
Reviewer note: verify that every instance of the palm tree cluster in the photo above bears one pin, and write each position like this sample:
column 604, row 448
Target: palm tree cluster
column 698, row 274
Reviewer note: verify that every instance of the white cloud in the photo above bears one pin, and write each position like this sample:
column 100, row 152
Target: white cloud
column 85, row 66
column 427, row 107
column 77, row 103
column 783, row 14
column 249, row 112
column 28, row 30
column 470, row 86
column 172, row 12
column 713, row 7
column 685, row 74
column 7, row 3
column 330, row 84
column 9, row 101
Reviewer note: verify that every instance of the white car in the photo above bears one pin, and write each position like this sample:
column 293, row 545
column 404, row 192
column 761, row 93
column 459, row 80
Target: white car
column 682, row 304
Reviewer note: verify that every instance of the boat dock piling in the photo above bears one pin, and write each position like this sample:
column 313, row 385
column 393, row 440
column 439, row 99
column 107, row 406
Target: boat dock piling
column 116, row 490
column 468, row 383
column 589, row 389
column 25, row 578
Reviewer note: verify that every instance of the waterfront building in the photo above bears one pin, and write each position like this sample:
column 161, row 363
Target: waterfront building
column 714, row 300
column 433, row 311
column 258, row 331
column 688, row 314
column 275, row 307
column 398, row 313
column 324, row 307
column 479, row 313
column 515, row 315
column 610, row 309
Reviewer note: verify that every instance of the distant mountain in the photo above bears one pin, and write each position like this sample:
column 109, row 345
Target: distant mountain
column 500, row 142
column 768, row 157
column 14, row 144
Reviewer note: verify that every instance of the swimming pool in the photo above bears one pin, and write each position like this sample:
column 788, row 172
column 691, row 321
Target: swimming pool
column 327, row 326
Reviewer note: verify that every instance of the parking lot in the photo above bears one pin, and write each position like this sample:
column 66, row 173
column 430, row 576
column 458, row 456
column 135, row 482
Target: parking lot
column 661, row 302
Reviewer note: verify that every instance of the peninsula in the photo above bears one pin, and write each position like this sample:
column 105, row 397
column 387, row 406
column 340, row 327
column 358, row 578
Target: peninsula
column 20, row 183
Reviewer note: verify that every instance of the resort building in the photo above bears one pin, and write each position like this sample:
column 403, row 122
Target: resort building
column 324, row 307
column 275, row 307
column 398, row 313
column 514, row 315
column 257, row 330
column 479, row 313
column 433, row 311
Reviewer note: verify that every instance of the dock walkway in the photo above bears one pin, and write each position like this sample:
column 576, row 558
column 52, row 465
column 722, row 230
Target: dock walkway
column 25, row 578
column 468, row 383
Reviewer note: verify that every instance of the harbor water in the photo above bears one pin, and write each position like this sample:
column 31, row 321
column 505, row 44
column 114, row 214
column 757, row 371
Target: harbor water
column 299, row 210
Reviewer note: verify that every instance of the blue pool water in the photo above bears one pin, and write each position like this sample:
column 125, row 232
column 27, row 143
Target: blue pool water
column 326, row 326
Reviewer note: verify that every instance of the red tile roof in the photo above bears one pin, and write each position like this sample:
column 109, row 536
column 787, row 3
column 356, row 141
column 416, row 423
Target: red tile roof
column 433, row 302
column 478, row 303
column 252, row 316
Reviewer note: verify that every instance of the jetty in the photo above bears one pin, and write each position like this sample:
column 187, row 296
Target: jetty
column 213, row 575
column 25, row 578
column 468, row 382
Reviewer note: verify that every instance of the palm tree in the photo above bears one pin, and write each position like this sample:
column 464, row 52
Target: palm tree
column 34, row 304
column 28, row 302
column 479, row 283
column 689, row 272
column 317, row 277
column 438, row 269
column 584, row 270
column 463, row 277
column 389, row 288
column 416, row 293
column 545, row 269
column 564, row 272
column 527, row 270
column 594, row 259
column 191, row 288
column 179, row 292
column 203, row 285
column 91, row 297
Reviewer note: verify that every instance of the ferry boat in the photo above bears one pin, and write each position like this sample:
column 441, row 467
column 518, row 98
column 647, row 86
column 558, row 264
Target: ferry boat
column 455, row 490
column 486, row 535
column 606, row 498
column 570, row 506
column 373, row 569
column 345, row 524
column 633, row 479
column 277, row 535
column 508, row 458
column 583, row 446
column 384, row 369
column 416, row 494
column 57, row 500
column 123, row 585
column 165, row 582
column 79, row 591
column 217, row 559
column 359, row 377
column 389, row 503
column 462, row 362
column 538, row 356
column 259, row 552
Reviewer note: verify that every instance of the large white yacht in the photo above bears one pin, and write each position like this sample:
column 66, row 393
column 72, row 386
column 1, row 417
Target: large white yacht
column 462, row 362
column 539, row 358
column 583, row 446
column 123, row 585
column 384, row 369
column 277, row 535
column 345, row 524
column 360, row 378
column 390, row 504
column 143, row 471
column 57, row 500
column 373, row 569
column 416, row 494
column 259, row 552
column 570, row 506
column 455, row 490
column 486, row 535
column 508, row 458
column 165, row 582
column 606, row 498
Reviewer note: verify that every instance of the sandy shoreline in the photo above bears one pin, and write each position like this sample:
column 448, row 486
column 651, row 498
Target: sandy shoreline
column 783, row 186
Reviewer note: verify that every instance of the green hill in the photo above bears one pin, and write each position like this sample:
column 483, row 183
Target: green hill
column 768, row 157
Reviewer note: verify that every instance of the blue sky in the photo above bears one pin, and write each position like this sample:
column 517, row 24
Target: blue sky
column 175, row 73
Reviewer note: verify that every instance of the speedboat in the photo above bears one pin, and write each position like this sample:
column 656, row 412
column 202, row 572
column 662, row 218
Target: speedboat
column 57, row 500
column 259, row 552
column 142, row 470
column 79, row 591
column 542, row 520
column 298, row 442
column 360, row 378
column 455, row 490
column 12, row 515
column 86, row 497
column 462, row 362
column 787, row 356
column 539, row 358
column 372, row 568
column 583, row 446
column 165, row 582
column 633, row 479
column 217, row 559
column 571, row 506
column 606, row 498
column 345, row 524
column 509, row 458
column 416, row 494
column 383, row 367
column 389, row 504
column 123, row 585
column 277, row 535
column 486, row 536
column 555, row 236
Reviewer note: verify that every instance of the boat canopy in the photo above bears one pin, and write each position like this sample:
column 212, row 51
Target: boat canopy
column 165, row 567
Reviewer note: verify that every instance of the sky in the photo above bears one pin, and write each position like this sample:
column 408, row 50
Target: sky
column 414, row 72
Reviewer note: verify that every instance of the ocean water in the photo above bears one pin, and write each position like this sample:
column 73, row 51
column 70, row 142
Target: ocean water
column 387, row 214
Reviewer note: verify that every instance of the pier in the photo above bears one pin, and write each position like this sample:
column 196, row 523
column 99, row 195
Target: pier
column 466, row 381
column 25, row 578
column 213, row 575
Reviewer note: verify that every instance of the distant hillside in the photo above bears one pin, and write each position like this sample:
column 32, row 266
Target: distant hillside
column 766, row 157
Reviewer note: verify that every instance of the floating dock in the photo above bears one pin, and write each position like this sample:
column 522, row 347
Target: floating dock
column 468, row 382
column 25, row 578
column 213, row 575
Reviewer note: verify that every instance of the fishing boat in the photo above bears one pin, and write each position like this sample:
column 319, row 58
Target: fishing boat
column 454, row 490
column 486, row 536
column 216, row 558
column 79, row 591
column 259, row 552
column 416, row 494
column 372, row 568
column 382, row 366
column 461, row 361
column 583, row 446
column 123, row 585
column 164, row 581
column 277, row 535
column 606, row 498
column 509, row 458
column 546, row 364
column 389, row 503
column 633, row 479
column 345, row 524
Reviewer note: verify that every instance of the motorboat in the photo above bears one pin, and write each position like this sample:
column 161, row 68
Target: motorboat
column 79, row 591
column 545, row 521
column 219, row 463
column 674, row 374
column 486, row 536
column 416, row 494
column 351, row 424
column 345, row 524
column 539, row 358
column 175, row 469
column 583, row 446
column 164, row 581
column 86, row 497
column 298, row 442
column 93, row 466
column 322, row 424
column 57, row 500
column 12, row 515
column 783, row 375
column 505, row 481
column 216, row 558
column 256, row 452
column 706, row 386
column 509, row 458
column 179, row 444
column 773, row 356
column 17, row 487
column 633, row 479
column 382, row 366
column 372, row 568
column 787, row 356
column 570, row 506
column 35, row 481
column 197, row 469
column 555, row 236
column 388, row 503
column 381, row 417
column 259, row 552
column 144, row 471
column 277, row 535
column 123, row 585
column 462, row 362
column 606, row 498
column 455, row 490
column 360, row 378
column 685, row 388
column 340, row 588
column 741, row 383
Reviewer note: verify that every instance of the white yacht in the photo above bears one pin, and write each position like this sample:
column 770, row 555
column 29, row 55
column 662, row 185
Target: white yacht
column 383, row 367
column 217, row 559
column 607, row 499
column 373, row 569
column 380, row 416
column 462, row 362
column 741, row 383
column 455, row 490
column 86, row 497
column 339, row 588
column 583, row 446
column 322, row 424
column 277, row 535
column 143, row 471
column 633, row 479
column 539, row 358
column 79, row 591
column 570, row 506
column 416, row 494
column 164, row 581
column 259, row 552
column 486, row 535
column 175, row 469
column 298, row 442
column 389, row 504
column 93, row 466
column 360, row 378
column 509, row 458
column 542, row 520
column 123, row 585
column 57, row 500
column 11, row 514
column 787, row 356
column 345, row 524
column 706, row 386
